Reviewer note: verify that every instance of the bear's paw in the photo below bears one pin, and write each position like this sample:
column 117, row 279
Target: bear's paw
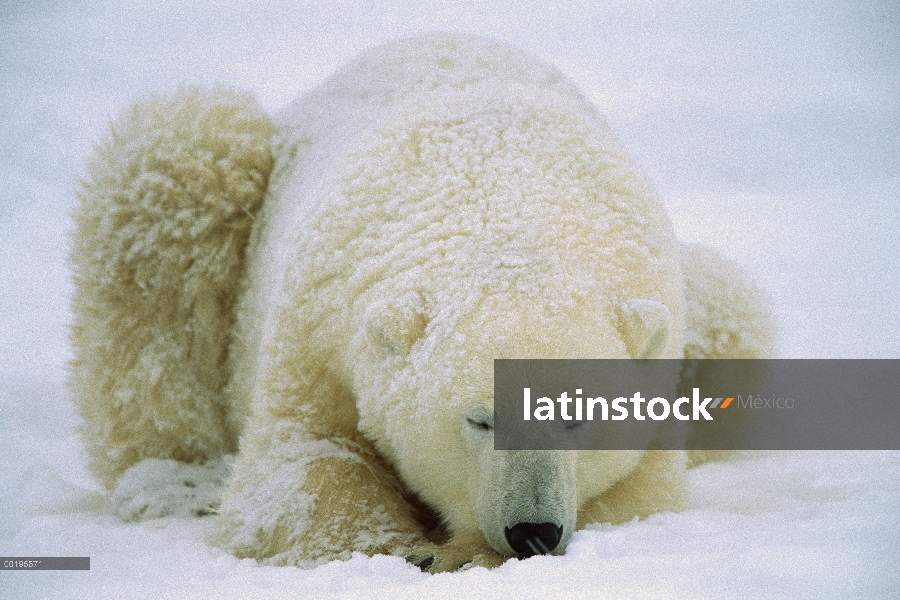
column 155, row 488
column 460, row 553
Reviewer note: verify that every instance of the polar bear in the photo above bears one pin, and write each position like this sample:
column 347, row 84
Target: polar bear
column 323, row 293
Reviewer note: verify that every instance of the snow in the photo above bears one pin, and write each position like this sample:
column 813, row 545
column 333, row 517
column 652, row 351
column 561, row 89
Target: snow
column 771, row 132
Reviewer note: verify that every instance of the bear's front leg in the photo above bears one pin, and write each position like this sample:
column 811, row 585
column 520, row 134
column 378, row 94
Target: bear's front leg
column 307, row 487
column 296, row 500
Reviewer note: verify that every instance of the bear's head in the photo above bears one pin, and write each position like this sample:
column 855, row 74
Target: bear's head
column 483, row 223
column 432, row 414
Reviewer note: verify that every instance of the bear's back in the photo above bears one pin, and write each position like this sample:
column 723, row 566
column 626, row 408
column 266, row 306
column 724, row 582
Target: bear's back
column 439, row 166
column 316, row 132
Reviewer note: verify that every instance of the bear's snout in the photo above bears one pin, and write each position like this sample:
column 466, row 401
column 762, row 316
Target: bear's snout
column 526, row 501
column 529, row 539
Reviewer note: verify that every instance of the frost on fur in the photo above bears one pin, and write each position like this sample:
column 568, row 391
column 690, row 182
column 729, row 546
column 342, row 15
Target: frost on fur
column 157, row 252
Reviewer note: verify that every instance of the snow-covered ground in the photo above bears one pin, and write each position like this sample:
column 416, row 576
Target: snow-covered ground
column 772, row 132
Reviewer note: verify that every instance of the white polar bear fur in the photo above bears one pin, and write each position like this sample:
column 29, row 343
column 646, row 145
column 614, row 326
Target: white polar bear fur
column 157, row 256
column 439, row 203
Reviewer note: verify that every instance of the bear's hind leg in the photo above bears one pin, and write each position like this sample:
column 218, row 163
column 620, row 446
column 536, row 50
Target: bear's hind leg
column 728, row 317
column 157, row 253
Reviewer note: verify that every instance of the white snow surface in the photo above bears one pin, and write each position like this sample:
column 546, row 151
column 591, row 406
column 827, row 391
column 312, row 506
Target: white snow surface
column 772, row 133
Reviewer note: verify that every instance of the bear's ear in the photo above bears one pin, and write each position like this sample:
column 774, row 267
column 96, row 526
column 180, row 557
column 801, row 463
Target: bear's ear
column 644, row 326
column 396, row 324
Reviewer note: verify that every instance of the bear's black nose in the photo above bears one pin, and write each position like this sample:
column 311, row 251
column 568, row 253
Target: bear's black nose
column 529, row 539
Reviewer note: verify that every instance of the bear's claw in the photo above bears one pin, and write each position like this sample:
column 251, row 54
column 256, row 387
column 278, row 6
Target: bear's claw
column 452, row 557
